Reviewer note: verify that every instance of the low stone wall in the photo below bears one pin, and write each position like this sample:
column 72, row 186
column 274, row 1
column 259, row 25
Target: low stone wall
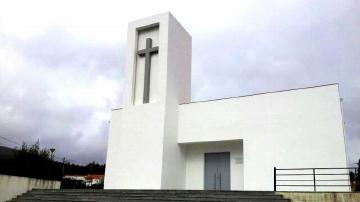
column 12, row 186
column 322, row 196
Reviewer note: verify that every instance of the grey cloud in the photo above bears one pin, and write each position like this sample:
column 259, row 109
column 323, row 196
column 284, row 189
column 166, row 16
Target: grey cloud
column 306, row 45
column 288, row 54
column 53, row 66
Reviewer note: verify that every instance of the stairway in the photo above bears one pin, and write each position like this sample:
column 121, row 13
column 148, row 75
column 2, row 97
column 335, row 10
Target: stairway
column 148, row 195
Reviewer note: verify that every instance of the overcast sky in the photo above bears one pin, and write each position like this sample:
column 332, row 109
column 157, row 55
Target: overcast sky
column 61, row 62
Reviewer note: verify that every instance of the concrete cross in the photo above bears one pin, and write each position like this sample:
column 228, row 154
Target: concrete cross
column 147, row 52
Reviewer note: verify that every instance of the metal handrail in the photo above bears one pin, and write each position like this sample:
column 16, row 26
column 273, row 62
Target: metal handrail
column 314, row 179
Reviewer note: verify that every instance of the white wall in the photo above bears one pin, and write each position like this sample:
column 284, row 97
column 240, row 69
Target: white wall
column 178, row 91
column 134, row 156
column 142, row 148
column 195, row 163
column 12, row 186
column 296, row 128
column 135, row 144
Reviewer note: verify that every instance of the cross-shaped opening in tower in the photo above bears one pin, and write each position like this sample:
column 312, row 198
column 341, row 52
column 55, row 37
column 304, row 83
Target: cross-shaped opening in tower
column 147, row 52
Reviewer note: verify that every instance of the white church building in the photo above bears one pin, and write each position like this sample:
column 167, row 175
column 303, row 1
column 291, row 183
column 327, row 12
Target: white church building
column 162, row 140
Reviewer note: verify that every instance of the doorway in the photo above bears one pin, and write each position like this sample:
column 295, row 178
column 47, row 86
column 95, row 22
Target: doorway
column 217, row 171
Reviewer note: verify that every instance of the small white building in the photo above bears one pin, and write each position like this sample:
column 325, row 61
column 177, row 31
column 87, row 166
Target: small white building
column 89, row 180
column 162, row 140
column 75, row 177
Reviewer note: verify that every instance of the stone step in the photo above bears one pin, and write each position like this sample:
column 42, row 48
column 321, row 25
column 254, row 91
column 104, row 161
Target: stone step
column 156, row 194
column 137, row 200
column 149, row 199
column 149, row 191
column 143, row 196
column 149, row 195
column 99, row 194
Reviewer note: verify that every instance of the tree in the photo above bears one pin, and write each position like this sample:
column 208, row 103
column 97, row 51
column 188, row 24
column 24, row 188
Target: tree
column 34, row 149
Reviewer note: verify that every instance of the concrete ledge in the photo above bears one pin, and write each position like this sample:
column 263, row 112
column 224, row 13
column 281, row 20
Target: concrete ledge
column 321, row 196
column 12, row 186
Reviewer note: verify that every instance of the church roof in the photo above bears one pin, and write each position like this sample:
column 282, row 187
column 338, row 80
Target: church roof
column 262, row 93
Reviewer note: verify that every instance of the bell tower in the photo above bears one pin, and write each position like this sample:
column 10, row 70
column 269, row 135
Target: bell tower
column 143, row 152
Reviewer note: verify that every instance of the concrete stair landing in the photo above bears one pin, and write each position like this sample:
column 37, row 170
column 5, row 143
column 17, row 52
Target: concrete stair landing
column 148, row 195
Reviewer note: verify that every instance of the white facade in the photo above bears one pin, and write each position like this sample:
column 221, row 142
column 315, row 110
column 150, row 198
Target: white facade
column 140, row 155
column 162, row 144
column 291, row 129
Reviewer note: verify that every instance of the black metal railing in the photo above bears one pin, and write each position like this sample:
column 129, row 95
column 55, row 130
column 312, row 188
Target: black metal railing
column 316, row 177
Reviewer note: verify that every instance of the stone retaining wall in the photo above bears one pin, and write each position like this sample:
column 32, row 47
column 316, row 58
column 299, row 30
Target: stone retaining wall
column 322, row 196
column 12, row 186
